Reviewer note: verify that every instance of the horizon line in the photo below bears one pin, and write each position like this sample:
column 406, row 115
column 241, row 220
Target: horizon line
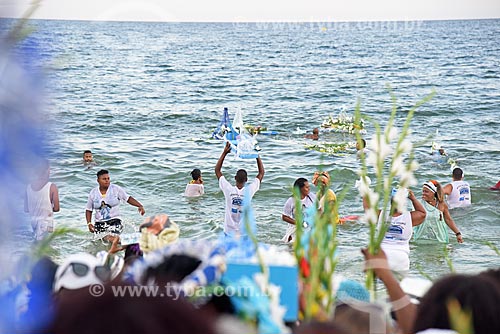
column 249, row 21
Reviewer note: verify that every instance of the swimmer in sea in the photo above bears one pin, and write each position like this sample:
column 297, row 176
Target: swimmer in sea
column 314, row 135
column 88, row 159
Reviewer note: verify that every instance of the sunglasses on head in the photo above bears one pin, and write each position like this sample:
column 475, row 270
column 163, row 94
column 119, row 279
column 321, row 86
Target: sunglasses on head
column 81, row 270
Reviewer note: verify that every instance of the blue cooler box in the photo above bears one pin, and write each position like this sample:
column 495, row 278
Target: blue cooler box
column 284, row 277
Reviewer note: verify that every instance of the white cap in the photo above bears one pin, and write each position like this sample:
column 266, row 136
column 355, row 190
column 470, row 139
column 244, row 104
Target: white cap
column 66, row 278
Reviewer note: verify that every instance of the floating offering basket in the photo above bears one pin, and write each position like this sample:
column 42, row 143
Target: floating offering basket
column 343, row 123
column 331, row 148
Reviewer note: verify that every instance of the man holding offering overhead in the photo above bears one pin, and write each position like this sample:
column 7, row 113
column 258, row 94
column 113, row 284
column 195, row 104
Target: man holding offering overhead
column 234, row 194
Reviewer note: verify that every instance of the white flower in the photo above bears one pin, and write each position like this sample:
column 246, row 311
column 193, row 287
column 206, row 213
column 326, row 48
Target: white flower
column 391, row 133
column 363, row 185
column 400, row 199
column 372, row 198
column 413, row 166
column 370, row 216
column 398, row 166
column 372, row 158
column 384, row 151
column 407, row 179
column 372, row 143
column 406, row 146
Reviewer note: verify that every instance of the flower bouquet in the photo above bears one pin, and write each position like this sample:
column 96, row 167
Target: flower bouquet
column 392, row 157
column 343, row 123
column 331, row 148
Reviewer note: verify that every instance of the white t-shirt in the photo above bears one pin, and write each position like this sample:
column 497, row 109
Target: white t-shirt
column 107, row 206
column 460, row 195
column 289, row 210
column 234, row 202
column 194, row 190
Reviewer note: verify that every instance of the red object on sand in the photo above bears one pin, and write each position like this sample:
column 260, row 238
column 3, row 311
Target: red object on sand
column 496, row 186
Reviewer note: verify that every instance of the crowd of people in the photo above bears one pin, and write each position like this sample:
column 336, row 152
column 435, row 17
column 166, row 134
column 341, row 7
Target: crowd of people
column 87, row 293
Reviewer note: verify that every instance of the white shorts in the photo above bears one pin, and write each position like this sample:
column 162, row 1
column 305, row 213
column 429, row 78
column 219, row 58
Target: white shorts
column 399, row 261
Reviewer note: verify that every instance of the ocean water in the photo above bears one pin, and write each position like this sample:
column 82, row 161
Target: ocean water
column 145, row 98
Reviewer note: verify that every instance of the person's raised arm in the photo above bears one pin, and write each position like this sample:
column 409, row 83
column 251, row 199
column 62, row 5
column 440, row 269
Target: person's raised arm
column 54, row 197
column 406, row 312
column 134, row 202
column 260, row 167
column 451, row 223
column 418, row 215
column 447, row 189
column 218, row 165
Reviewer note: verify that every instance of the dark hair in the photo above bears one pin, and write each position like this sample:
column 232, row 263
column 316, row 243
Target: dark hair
column 493, row 274
column 241, row 176
column 360, row 317
column 195, row 174
column 478, row 294
column 457, row 173
column 87, row 151
column 135, row 314
column 173, row 269
column 102, row 172
column 316, row 327
column 300, row 183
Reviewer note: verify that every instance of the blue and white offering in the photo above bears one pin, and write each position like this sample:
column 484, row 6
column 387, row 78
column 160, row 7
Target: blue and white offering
column 243, row 144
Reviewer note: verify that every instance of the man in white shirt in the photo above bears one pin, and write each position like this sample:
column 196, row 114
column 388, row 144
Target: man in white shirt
column 234, row 194
column 105, row 200
column 458, row 191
